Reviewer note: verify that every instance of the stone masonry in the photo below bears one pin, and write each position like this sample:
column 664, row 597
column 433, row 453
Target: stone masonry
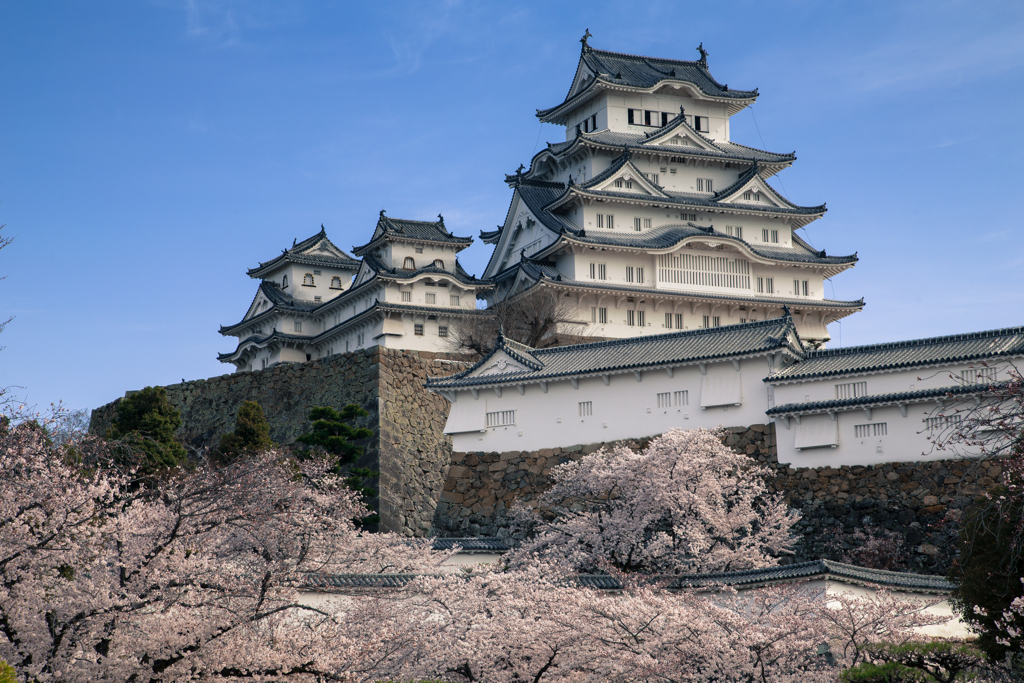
column 910, row 499
column 409, row 447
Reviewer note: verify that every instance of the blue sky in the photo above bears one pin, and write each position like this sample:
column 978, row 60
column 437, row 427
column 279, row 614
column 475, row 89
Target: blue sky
column 151, row 152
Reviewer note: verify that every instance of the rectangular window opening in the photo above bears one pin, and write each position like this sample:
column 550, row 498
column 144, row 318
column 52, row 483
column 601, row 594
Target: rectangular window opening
column 851, row 390
column 586, row 408
column 868, row 430
column 501, row 418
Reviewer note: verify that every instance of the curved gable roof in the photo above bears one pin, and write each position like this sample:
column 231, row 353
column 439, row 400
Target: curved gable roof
column 621, row 70
column 328, row 256
column 414, row 231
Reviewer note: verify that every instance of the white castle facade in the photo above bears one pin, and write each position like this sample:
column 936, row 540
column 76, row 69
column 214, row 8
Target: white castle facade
column 677, row 255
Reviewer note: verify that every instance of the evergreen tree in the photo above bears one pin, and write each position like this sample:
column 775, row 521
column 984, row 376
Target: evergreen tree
column 145, row 425
column 251, row 435
column 333, row 434
column 989, row 571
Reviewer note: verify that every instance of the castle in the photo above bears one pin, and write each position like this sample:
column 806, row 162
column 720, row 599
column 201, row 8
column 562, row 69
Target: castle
column 683, row 266
column 648, row 217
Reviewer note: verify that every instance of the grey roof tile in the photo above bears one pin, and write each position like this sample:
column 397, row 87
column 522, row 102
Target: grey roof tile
column 668, row 236
column 635, row 71
column 819, row 569
column 915, row 396
column 416, row 231
column 292, row 255
column 471, row 544
column 619, row 355
column 780, row 302
column 976, row 346
column 751, row 578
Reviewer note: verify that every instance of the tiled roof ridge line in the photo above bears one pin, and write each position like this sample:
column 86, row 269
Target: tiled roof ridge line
column 625, row 341
column 706, row 230
column 794, row 302
column 698, row 64
column 914, row 343
column 879, row 399
column 781, row 341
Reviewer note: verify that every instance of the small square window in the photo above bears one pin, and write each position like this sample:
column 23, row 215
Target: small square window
column 430, row 298
column 455, row 300
column 316, row 272
column 406, row 296
column 317, row 299
column 442, row 330
column 417, row 329
column 298, row 326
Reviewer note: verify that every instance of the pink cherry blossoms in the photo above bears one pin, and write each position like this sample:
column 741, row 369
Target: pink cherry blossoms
column 686, row 504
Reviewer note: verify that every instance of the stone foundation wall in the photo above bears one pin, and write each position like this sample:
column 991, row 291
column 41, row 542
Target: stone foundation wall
column 910, row 499
column 408, row 446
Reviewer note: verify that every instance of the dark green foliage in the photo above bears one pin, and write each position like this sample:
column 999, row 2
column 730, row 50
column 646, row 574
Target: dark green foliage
column 932, row 662
column 145, row 426
column 7, row 674
column 251, row 435
column 332, row 433
column 989, row 570
column 890, row 672
column 357, row 480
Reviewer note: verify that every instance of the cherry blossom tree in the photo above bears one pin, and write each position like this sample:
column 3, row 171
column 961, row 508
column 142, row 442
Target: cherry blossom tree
column 687, row 503
column 197, row 574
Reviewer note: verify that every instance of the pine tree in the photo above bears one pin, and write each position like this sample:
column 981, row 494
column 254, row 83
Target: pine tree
column 251, row 435
column 145, row 426
column 333, row 433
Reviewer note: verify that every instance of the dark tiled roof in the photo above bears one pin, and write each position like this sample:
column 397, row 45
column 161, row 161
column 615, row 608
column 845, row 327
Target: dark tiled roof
column 686, row 198
column 634, row 353
column 415, row 231
column 382, row 270
column 634, row 71
column 915, row 396
column 471, row 544
column 826, row 570
column 957, row 348
column 753, row 300
column 261, row 339
column 280, row 302
column 819, row 569
column 668, row 236
column 490, row 236
column 293, row 255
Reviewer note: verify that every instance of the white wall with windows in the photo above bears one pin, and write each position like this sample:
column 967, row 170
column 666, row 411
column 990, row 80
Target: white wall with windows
column 619, row 406
column 871, row 434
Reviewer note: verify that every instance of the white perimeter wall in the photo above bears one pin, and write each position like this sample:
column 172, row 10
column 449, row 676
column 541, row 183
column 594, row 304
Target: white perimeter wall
column 622, row 409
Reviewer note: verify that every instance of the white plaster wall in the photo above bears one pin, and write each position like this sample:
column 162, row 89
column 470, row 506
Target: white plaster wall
column 623, row 409
column 906, row 437
column 614, row 108
column 395, row 253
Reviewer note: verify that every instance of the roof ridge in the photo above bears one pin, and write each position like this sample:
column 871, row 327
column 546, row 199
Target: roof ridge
column 913, row 343
column 625, row 341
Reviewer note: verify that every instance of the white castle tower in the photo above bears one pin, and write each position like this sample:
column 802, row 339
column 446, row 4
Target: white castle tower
column 651, row 219
column 314, row 300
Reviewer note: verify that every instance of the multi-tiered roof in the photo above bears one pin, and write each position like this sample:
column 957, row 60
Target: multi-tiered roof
column 644, row 169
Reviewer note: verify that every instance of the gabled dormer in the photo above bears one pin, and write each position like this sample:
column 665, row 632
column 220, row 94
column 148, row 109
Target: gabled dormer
column 624, row 177
column 313, row 270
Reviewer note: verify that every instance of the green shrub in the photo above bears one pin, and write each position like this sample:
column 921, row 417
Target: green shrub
column 7, row 674
column 251, row 435
column 145, row 425
column 989, row 570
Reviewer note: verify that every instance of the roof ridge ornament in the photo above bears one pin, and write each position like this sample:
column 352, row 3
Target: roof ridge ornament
column 440, row 222
column 703, row 61
column 586, row 36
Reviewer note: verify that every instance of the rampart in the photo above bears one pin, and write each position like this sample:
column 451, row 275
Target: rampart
column 409, row 447
column 908, row 498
